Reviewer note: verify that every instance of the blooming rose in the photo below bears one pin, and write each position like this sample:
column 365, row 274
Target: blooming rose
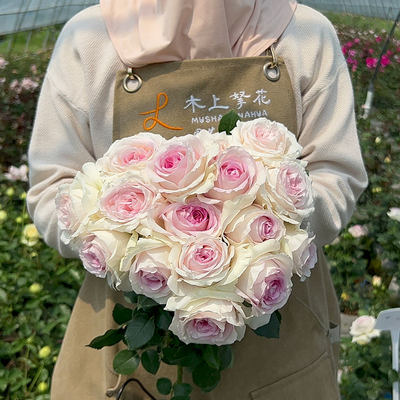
column 304, row 251
column 358, row 231
column 184, row 220
column 130, row 153
column 182, row 166
column 266, row 139
column 237, row 175
column 362, row 329
column 266, row 283
column 203, row 261
column 77, row 201
column 125, row 201
column 102, row 251
column 148, row 262
column 394, row 213
column 255, row 225
column 206, row 320
column 288, row 192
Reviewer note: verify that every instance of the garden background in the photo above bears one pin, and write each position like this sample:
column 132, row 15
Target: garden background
column 38, row 287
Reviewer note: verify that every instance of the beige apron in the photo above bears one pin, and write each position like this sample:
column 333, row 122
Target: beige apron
column 174, row 99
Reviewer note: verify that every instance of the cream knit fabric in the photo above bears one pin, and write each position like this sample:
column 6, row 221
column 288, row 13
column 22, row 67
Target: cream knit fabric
column 75, row 112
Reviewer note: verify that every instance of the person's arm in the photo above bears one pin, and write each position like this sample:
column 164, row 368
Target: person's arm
column 60, row 142
column 328, row 130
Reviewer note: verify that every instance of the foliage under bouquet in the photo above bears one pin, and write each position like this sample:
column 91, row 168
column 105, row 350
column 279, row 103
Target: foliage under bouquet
column 202, row 232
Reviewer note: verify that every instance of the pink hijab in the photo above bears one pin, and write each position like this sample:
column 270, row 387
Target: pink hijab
column 152, row 31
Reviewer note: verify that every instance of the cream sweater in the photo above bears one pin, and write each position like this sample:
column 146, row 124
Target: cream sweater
column 75, row 111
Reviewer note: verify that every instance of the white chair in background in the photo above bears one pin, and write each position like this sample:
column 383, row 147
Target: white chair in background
column 389, row 320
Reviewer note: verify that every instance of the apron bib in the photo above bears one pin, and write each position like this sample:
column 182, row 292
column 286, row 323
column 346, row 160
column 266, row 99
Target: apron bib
column 178, row 98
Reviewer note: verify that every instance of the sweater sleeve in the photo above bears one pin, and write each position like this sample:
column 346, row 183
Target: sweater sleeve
column 331, row 147
column 58, row 148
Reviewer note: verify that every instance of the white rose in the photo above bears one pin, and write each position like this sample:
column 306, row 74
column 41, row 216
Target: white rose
column 304, row 251
column 255, row 225
column 149, row 264
column 130, row 153
column 394, row 213
column 266, row 283
column 266, row 139
column 206, row 320
column 287, row 191
column 363, row 329
column 77, row 201
column 101, row 253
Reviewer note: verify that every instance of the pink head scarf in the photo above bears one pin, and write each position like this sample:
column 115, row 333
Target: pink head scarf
column 152, row 31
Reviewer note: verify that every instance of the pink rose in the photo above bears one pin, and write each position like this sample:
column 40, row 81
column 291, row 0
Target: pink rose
column 101, row 252
column 266, row 139
column 182, row 166
column 288, row 192
column 204, row 261
column 358, row 231
column 126, row 201
column 67, row 219
column 130, row 153
column 206, row 321
column 266, row 284
column 149, row 273
column 194, row 218
column 237, row 174
column 255, row 225
column 17, row 174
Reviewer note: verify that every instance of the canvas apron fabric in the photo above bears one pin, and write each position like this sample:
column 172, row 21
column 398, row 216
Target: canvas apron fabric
column 175, row 99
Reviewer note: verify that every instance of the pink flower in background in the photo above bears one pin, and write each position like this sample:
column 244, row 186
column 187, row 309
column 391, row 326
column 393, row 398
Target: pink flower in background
column 354, row 68
column 371, row 62
column 28, row 84
column 17, row 174
column 378, row 39
column 349, row 44
column 356, row 40
column 352, row 53
column 34, row 69
column 389, row 53
column 370, row 51
column 358, row 231
column 344, row 50
column 385, row 61
column 3, row 63
column 14, row 85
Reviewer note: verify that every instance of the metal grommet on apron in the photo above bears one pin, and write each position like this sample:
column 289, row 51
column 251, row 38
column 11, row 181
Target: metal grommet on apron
column 271, row 68
column 132, row 82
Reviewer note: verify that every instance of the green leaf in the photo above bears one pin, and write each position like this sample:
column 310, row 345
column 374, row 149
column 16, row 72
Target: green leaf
column 182, row 390
column 225, row 354
column 210, row 356
column 126, row 362
column 228, row 122
column 184, row 356
column 164, row 320
column 131, row 297
column 205, row 377
column 164, row 386
column 271, row 330
column 151, row 361
column 145, row 303
column 111, row 337
column 121, row 314
column 139, row 331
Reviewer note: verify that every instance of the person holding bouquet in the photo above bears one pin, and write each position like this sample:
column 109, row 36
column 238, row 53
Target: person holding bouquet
column 117, row 70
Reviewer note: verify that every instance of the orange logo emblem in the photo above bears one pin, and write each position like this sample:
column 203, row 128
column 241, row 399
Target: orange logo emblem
column 154, row 120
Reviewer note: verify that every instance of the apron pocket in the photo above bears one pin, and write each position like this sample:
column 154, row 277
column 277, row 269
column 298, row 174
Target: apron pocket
column 314, row 382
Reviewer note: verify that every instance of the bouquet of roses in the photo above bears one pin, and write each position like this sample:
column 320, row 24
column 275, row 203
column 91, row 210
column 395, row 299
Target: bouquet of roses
column 203, row 232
